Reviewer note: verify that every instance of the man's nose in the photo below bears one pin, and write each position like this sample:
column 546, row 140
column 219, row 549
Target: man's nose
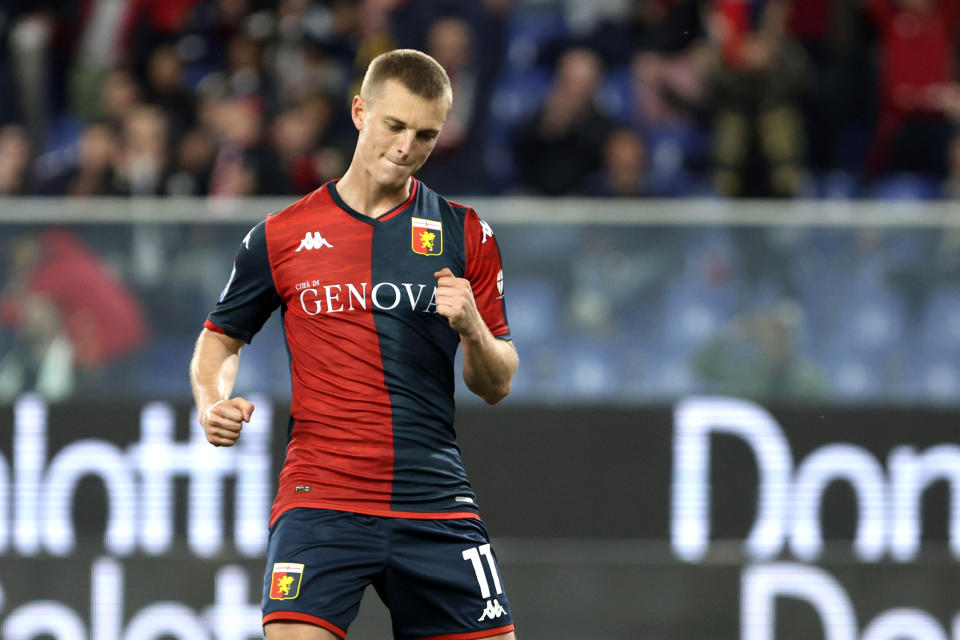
column 405, row 142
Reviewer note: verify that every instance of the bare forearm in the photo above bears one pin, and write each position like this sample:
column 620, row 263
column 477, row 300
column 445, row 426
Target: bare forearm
column 488, row 362
column 213, row 368
column 488, row 366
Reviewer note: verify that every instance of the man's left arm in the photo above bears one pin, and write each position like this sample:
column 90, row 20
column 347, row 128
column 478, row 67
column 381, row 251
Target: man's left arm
column 488, row 362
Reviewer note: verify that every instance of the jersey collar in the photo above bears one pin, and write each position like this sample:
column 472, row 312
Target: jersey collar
column 337, row 200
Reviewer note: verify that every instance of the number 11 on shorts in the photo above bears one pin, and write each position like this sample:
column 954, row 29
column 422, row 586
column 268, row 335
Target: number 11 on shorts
column 473, row 555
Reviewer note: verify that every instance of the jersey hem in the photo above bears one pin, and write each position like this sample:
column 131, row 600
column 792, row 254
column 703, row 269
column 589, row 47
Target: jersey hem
column 296, row 616
column 474, row 635
column 383, row 513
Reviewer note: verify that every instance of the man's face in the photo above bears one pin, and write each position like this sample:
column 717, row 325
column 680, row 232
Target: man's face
column 398, row 130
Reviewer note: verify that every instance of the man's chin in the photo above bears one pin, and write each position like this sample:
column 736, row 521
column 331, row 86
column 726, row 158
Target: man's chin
column 391, row 180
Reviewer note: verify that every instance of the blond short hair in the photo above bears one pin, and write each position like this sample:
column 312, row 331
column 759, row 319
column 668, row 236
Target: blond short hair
column 415, row 70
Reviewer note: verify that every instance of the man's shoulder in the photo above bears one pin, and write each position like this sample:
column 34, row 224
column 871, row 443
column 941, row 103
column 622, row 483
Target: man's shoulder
column 309, row 220
column 431, row 199
column 316, row 200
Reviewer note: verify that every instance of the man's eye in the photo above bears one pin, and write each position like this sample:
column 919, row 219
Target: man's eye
column 426, row 136
column 394, row 127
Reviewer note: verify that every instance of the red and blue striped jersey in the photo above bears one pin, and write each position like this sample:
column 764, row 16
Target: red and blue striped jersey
column 371, row 362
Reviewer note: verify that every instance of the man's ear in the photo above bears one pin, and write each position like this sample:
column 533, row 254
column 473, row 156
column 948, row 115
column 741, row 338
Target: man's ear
column 358, row 111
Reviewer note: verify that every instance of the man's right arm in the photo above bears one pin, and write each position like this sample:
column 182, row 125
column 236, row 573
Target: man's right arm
column 245, row 304
column 213, row 371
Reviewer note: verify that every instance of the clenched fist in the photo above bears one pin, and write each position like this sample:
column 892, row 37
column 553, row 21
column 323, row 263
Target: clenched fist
column 223, row 420
column 456, row 303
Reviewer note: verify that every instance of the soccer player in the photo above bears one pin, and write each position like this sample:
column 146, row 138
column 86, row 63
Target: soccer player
column 378, row 279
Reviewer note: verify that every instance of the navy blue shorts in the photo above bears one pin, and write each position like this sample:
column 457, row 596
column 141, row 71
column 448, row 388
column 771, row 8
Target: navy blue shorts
column 439, row 578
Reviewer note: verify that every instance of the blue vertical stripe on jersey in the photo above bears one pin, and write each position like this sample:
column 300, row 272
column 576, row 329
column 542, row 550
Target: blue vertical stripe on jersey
column 421, row 382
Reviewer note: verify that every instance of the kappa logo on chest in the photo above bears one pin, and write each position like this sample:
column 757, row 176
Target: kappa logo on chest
column 313, row 241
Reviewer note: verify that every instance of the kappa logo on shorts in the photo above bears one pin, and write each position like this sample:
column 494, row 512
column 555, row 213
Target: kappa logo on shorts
column 427, row 236
column 285, row 583
column 494, row 610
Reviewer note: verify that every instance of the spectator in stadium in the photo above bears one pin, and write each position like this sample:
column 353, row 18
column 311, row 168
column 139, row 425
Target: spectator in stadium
column 469, row 41
column 35, row 353
column 143, row 160
column 839, row 101
column 165, row 89
column 157, row 25
column 91, row 171
column 669, row 109
column 321, row 40
column 294, row 136
column 119, row 95
column 16, row 155
column 657, row 56
column 664, row 27
column 211, row 26
column 668, row 91
column 244, row 73
column 756, row 356
column 918, row 99
column 194, row 164
column 453, row 166
column 333, row 146
column 306, row 58
column 29, row 41
column 244, row 163
column 624, row 171
column 563, row 143
column 756, row 80
column 369, row 34
column 101, row 317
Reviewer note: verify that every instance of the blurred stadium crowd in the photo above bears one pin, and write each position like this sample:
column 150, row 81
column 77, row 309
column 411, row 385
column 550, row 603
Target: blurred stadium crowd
column 776, row 98
column 790, row 99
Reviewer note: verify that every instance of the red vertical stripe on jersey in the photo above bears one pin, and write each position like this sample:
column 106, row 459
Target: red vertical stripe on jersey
column 341, row 447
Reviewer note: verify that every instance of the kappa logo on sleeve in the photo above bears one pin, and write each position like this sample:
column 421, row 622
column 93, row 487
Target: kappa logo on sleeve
column 487, row 231
column 427, row 236
column 285, row 582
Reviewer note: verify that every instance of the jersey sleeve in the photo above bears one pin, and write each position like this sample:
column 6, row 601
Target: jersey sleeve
column 485, row 273
column 250, row 295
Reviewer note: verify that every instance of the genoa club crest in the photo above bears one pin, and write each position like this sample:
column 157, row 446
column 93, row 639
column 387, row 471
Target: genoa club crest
column 285, row 582
column 427, row 237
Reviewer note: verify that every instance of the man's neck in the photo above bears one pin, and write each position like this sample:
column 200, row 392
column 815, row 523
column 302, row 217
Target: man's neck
column 362, row 195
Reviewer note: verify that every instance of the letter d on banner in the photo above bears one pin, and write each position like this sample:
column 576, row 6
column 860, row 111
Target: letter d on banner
column 761, row 585
column 695, row 419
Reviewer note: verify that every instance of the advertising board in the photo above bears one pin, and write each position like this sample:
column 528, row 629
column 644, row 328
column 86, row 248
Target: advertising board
column 713, row 516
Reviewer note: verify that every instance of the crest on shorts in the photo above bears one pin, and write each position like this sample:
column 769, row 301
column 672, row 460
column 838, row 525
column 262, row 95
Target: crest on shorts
column 427, row 236
column 285, row 582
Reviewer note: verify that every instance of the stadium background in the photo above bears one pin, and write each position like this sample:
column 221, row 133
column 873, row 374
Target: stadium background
column 732, row 272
